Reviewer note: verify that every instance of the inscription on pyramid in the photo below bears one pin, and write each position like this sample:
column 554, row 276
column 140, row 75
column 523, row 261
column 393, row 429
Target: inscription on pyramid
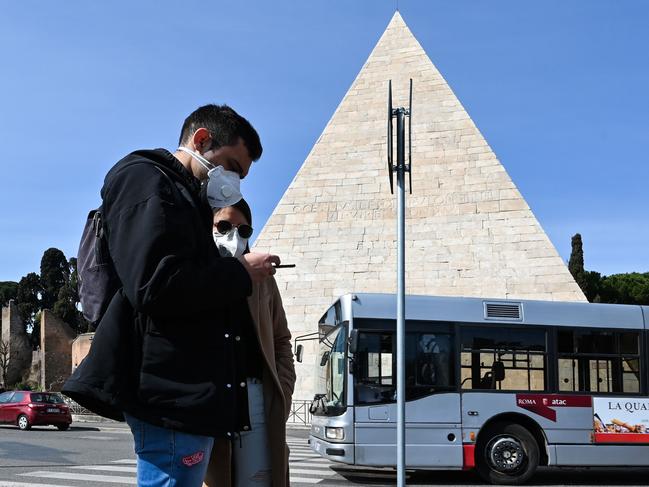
column 469, row 232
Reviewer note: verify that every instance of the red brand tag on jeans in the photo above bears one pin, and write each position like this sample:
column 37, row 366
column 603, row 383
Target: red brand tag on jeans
column 194, row 459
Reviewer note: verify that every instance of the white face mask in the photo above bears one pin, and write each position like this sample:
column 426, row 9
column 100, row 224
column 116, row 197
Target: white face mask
column 223, row 187
column 230, row 244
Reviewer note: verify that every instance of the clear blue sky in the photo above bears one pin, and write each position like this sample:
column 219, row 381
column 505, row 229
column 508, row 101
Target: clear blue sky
column 560, row 90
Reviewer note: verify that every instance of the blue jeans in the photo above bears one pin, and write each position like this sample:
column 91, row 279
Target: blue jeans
column 252, row 454
column 167, row 458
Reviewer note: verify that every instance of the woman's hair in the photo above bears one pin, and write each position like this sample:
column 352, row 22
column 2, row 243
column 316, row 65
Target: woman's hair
column 240, row 205
column 243, row 207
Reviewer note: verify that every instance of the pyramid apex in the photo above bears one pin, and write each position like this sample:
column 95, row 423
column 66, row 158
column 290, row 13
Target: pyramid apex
column 396, row 19
column 398, row 29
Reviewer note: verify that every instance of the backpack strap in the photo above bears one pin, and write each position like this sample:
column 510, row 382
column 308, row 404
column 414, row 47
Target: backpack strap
column 97, row 222
column 182, row 194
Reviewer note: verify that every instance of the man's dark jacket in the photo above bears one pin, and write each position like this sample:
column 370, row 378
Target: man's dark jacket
column 168, row 349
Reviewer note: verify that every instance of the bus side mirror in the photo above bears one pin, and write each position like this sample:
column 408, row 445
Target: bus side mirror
column 325, row 358
column 353, row 341
column 498, row 369
column 299, row 352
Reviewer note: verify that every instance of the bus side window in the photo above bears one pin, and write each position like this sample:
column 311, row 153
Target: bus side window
column 599, row 361
column 507, row 360
column 428, row 360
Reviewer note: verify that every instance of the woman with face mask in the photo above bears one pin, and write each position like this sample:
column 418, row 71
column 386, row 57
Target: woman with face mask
column 260, row 456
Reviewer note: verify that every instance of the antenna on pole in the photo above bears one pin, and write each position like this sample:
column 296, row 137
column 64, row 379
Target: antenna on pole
column 401, row 168
column 390, row 148
column 409, row 166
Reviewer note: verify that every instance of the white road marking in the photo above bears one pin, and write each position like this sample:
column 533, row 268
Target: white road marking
column 98, row 438
column 309, row 457
column 304, row 480
column 302, row 471
column 312, row 459
column 10, row 483
column 112, row 479
column 312, row 471
column 115, row 430
column 107, row 468
column 371, row 475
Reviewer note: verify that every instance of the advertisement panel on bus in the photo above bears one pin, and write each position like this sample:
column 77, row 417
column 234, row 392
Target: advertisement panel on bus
column 621, row 419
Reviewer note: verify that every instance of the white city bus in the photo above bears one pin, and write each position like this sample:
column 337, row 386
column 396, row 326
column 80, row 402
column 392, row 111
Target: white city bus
column 498, row 385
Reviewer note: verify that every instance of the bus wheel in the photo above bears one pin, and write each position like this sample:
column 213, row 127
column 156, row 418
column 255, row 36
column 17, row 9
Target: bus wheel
column 508, row 454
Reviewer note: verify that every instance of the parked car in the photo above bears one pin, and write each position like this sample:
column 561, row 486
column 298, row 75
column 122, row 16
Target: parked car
column 26, row 409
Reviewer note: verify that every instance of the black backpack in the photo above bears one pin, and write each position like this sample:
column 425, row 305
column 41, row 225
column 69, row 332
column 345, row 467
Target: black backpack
column 98, row 281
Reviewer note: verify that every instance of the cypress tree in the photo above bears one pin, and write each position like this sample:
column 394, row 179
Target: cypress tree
column 576, row 262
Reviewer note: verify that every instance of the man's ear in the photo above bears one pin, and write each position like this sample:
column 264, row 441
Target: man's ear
column 201, row 140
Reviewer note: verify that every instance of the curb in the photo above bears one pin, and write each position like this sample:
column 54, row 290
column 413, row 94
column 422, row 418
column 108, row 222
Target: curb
column 91, row 418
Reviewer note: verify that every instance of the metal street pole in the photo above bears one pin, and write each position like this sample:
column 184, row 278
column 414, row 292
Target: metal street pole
column 401, row 168
column 401, row 299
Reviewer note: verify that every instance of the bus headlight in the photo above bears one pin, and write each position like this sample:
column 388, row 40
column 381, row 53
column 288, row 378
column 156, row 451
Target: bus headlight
column 335, row 433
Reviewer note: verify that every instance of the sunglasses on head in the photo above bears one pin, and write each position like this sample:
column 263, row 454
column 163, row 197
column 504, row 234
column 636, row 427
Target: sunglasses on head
column 224, row 226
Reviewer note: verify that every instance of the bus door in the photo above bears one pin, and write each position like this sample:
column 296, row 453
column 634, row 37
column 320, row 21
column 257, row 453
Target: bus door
column 433, row 429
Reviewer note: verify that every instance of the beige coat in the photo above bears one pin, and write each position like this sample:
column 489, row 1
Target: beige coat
column 278, row 380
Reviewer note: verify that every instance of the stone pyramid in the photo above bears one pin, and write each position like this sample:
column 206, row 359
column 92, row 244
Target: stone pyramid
column 469, row 231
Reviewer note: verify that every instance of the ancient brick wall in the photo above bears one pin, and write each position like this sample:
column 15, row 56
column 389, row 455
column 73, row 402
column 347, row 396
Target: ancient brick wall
column 20, row 352
column 80, row 348
column 56, row 351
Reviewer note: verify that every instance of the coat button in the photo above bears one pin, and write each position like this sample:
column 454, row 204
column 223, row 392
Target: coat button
column 243, row 384
column 229, row 434
column 237, row 338
column 228, row 385
column 227, row 335
column 246, row 428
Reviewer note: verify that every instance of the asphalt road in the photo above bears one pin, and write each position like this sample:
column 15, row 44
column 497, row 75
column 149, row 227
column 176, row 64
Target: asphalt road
column 101, row 454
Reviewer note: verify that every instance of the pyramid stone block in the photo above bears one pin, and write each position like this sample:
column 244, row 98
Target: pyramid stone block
column 469, row 231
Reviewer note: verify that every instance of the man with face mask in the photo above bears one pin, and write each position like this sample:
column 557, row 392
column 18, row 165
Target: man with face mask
column 159, row 358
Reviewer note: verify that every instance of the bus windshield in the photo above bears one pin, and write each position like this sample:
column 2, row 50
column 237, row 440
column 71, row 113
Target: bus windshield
column 333, row 369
